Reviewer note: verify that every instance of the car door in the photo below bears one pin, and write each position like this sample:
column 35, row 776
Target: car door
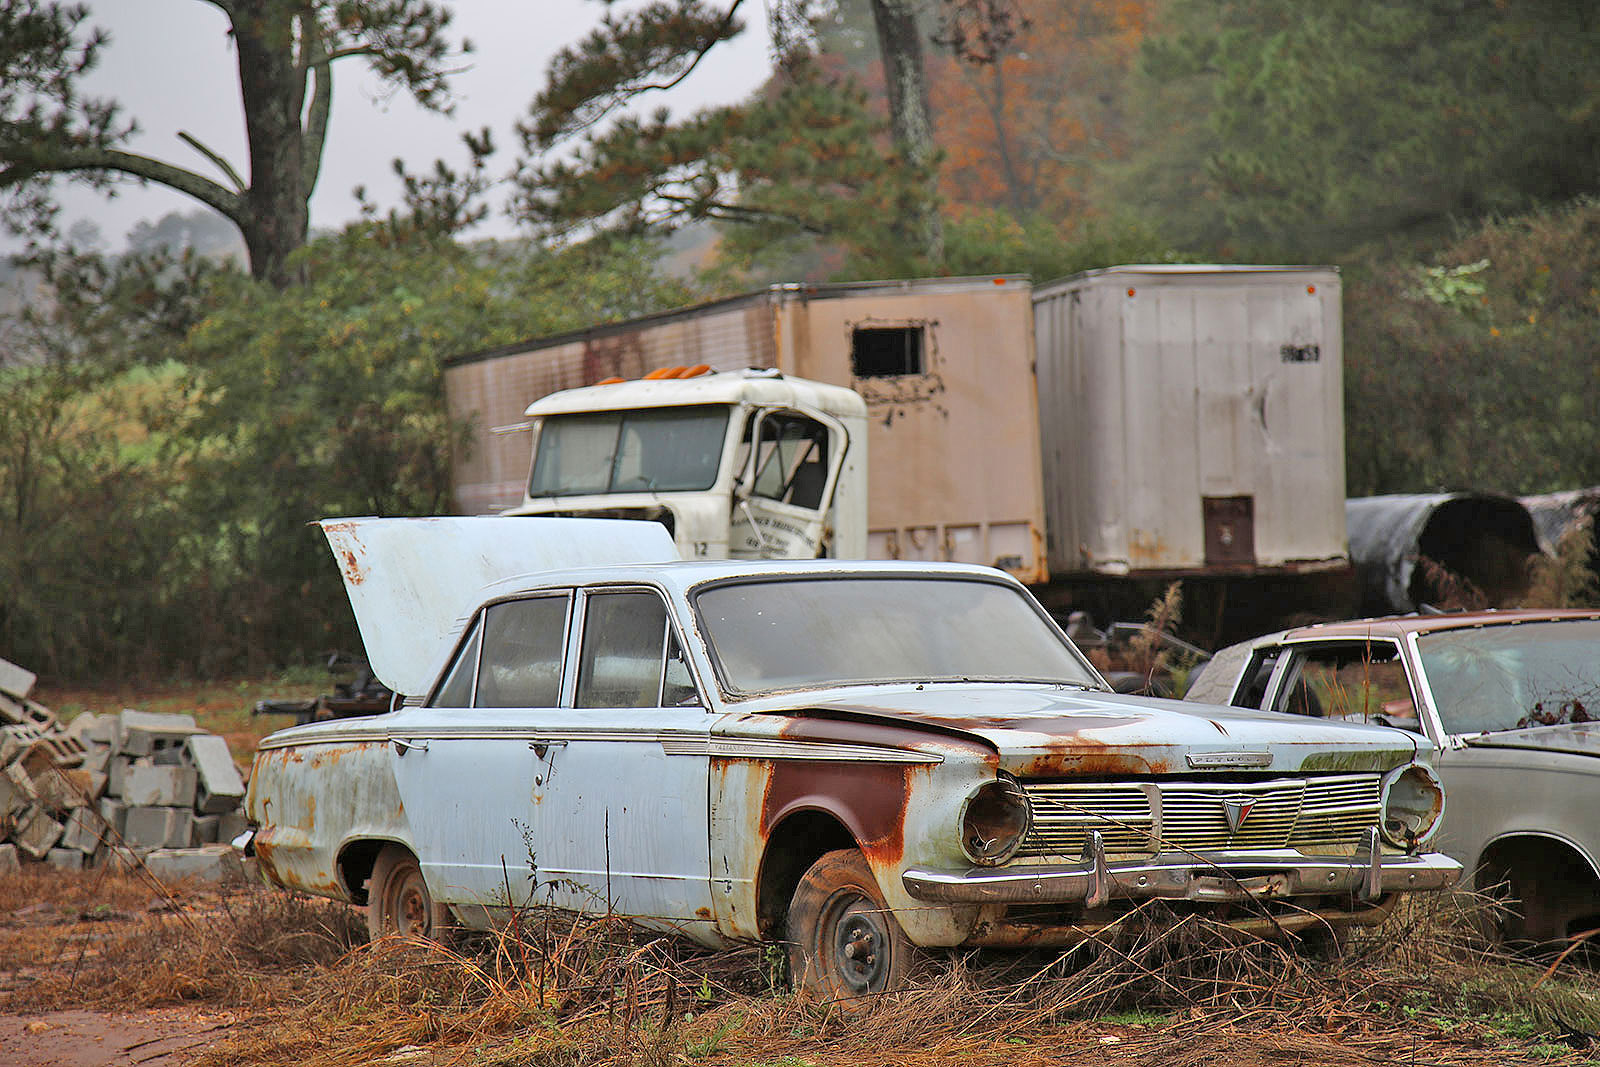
column 622, row 820
column 789, row 467
column 467, row 765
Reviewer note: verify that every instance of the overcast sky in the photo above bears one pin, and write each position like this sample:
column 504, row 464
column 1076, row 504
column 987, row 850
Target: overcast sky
column 171, row 66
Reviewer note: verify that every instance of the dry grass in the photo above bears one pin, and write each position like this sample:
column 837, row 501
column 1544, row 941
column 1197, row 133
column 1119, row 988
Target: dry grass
column 1163, row 988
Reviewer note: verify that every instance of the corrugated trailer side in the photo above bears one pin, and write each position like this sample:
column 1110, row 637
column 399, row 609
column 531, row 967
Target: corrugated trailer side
column 490, row 390
column 1191, row 420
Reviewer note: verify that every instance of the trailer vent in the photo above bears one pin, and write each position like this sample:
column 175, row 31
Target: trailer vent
column 886, row 351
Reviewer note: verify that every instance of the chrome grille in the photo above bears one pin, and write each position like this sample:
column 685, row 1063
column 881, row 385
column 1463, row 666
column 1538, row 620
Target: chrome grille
column 1285, row 813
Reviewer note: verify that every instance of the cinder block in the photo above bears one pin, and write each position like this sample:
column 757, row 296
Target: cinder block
column 159, row 786
column 37, row 833
column 64, row 859
column 105, row 731
column 232, row 824
column 114, row 813
column 213, row 863
column 204, row 830
column 141, row 733
column 16, row 790
column 220, row 788
column 84, row 827
column 16, row 681
column 63, row 790
column 117, row 770
column 97, row 759
column 153, row 827
column 10, row 862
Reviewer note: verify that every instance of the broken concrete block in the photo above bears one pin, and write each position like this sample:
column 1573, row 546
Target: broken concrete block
column 220, row 787
column 10, row 862
column 97, row 759
column 37, row 833
column 212, row 863
column 84, row 827
column 232, row 824
column 113, row 813
column 16, row 681
column 204, row 830
column 159, row 786
column 117, row 769
column 154, row 827
column 64, row 859
column 16, row 790
column 63, row 790
column 142, row 733
column 105, row 730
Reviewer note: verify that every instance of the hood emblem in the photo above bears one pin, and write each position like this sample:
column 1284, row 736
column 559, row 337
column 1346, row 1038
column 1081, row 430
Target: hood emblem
column 1237, row 809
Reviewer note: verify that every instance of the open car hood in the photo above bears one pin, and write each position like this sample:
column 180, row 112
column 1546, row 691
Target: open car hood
column 414, row 582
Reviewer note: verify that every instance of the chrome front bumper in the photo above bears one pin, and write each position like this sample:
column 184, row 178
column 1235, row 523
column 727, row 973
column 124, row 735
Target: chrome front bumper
column 1217, row 877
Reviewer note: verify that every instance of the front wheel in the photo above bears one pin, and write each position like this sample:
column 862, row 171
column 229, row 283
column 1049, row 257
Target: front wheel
column 844, row 942
column 398, row 901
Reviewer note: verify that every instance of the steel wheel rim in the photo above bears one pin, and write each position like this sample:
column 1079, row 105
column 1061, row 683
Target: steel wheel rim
column 857, row 941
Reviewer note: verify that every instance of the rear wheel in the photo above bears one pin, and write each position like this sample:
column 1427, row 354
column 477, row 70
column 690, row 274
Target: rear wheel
column 844, row 941
column 398, row 901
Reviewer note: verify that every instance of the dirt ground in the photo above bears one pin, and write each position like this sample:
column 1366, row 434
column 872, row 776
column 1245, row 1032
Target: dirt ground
column 155, row 1037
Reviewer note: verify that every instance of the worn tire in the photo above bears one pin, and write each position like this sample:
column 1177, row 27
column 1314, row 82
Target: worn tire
column 844, row 942
column 398, row 901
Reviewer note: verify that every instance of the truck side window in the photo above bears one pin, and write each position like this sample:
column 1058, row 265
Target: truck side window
column 523, row 643
column 791, row 460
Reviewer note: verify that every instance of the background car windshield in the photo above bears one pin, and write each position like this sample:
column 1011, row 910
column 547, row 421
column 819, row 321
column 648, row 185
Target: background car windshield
column 1513, row 677
column 798, row 633
column 655, row 449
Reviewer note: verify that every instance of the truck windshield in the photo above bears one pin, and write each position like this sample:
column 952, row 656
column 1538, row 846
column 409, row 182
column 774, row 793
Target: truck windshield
column 798, row 633
column 649, row 450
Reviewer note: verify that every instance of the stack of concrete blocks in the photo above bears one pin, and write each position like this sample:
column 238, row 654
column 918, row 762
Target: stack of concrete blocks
column 128, row 788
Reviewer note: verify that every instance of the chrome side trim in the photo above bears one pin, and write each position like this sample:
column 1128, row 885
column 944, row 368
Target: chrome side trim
column 672, row 742
column 780, row 749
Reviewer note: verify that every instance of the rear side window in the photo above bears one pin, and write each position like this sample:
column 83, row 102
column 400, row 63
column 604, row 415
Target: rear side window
column 626, row 652
column 523, row 642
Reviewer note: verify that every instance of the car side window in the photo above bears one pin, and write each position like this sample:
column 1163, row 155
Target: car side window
column 456, row 692
column 1253, row 685
column 1356, row 681
column 523, row 643
column 630, row 656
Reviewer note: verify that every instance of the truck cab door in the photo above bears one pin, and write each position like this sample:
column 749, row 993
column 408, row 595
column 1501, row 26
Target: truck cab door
column 789, row 467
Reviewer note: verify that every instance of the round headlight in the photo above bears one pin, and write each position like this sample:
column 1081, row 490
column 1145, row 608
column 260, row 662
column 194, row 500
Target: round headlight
column 994, row 820
column 1412, row 805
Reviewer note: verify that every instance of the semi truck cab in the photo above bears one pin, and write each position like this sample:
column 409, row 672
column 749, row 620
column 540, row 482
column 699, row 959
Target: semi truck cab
column 741, row 465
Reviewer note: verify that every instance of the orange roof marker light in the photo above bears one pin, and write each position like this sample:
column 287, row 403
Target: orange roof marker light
column 664, row 373
column 609, row 381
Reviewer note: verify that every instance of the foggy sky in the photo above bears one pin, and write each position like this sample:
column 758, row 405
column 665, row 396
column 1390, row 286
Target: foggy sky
column 171, row 65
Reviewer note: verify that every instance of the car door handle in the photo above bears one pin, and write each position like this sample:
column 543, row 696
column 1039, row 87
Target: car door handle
column 402, row 746
column 542, row 745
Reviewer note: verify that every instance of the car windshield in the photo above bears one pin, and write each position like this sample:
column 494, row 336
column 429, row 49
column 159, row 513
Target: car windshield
column 796, row 633
column 1514, row 677
column 649, row 450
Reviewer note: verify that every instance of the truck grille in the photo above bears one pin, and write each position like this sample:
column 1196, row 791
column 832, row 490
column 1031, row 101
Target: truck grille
column 1313, row 813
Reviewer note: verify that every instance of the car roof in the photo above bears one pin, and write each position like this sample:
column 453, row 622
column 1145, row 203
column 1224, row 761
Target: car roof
column 1400, row 625
column 682, row 575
